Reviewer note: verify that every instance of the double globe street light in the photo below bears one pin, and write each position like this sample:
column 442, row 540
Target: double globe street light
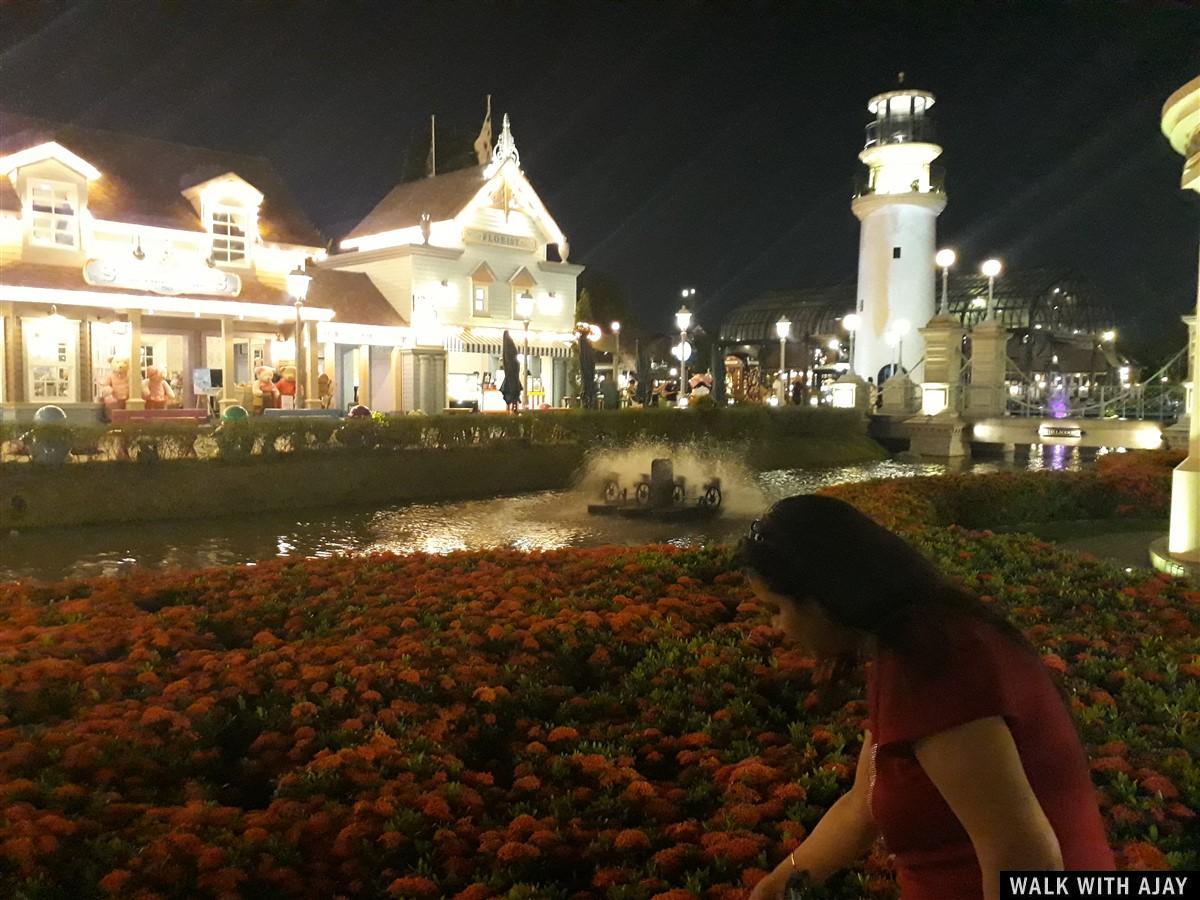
column 683, row 321
column 991, row 268
column 298, row 281
column 945, row 259
column 783, row 328
column 525, row 313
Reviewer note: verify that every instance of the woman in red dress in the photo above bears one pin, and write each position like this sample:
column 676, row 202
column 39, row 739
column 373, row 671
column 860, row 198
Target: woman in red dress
column 971, row 764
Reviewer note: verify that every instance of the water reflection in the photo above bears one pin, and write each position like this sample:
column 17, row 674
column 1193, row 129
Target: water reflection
column 541, row 521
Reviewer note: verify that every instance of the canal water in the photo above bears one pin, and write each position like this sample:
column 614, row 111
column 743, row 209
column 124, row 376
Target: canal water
column 543, row 520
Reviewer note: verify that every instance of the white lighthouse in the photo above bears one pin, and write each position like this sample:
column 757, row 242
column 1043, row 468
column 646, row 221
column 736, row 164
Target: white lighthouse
column 898, row 205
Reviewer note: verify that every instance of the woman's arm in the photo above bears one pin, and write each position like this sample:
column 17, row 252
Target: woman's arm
column 844, row 834
column 978, row 771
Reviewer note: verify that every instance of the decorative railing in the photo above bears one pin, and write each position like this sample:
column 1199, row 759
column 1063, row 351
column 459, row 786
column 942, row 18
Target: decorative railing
column 272, row 438
column 1147, row 399
column 937, row 184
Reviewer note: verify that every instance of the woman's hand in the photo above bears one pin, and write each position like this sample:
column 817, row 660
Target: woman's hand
column 774, row 885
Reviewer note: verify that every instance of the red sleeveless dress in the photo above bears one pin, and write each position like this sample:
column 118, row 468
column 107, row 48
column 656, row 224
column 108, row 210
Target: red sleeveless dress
column 986, row 675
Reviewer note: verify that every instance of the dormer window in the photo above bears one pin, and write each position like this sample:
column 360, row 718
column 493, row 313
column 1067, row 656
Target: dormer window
column 228, row 234
column 55, row 221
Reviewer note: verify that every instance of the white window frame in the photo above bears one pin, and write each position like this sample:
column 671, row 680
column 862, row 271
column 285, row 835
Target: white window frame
column 229, row 215
column 486, row 311
column 40, row 369
column 44, row 225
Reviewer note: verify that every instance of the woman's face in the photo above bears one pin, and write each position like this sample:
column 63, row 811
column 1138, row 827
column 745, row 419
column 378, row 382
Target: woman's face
column 803, row 622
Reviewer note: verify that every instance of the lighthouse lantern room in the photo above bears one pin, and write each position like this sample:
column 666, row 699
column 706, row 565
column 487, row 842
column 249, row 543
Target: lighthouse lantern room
column 898, row 204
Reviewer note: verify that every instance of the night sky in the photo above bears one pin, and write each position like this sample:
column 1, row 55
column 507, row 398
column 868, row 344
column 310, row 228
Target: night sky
column 711, row 145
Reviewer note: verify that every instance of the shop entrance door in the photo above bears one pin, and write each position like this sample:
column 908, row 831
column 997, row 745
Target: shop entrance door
column 347, row 376
column 383, row 386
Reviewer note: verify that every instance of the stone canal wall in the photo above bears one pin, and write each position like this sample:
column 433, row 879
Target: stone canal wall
column 38, row 496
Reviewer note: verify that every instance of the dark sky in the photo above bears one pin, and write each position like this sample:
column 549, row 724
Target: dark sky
column 703, row 144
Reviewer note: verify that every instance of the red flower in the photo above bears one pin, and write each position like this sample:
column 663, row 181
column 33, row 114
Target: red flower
column 561, row 734
column 513, row 852
column 413, row 886
column 1142, row 856
column 632, row 839
column 114, row 882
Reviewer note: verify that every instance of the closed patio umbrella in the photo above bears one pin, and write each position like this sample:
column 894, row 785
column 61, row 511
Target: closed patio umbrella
column 644, row 378
column 587, row 371
column 511, row 389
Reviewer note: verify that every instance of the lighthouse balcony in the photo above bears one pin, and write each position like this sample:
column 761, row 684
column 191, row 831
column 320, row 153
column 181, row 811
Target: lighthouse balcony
column 868, row 184
column 900, row 130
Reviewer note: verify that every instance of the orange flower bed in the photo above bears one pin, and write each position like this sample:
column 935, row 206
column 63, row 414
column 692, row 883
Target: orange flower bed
column 603, row 723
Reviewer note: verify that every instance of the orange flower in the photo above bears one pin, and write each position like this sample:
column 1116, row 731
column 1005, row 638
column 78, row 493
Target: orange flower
column 562, row 734
column 632, row 839
column 413, row 886
column 114, row 882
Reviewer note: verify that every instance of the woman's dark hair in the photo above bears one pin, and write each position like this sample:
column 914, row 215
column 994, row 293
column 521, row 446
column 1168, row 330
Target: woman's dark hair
column 863, row 577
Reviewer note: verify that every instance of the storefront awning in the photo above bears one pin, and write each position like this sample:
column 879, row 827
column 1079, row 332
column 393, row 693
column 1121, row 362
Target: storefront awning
column 491, row 341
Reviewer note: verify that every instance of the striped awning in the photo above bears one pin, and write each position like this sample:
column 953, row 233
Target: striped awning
column 491, row 341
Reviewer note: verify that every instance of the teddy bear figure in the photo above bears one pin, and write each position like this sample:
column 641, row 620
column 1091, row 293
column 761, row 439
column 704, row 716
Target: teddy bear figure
column 114, row 391
column 156, row 390
column 264, row 390
column 287, row 388
column 325, row 390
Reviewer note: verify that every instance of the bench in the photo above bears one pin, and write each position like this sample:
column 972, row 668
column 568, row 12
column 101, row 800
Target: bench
column 302, row 413
column 198, row 416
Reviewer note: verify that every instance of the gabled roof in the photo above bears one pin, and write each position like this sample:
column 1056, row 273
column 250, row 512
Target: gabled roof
column 352, row 296
column 142, row 180
column 442, row 197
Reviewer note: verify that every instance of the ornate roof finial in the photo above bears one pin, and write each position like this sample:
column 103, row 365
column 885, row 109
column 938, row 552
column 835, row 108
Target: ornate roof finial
column 505, row 149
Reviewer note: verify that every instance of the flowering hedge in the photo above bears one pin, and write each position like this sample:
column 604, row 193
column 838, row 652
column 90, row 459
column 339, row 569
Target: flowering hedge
column 583, row 723
column 607, row 723
column 1125, row 484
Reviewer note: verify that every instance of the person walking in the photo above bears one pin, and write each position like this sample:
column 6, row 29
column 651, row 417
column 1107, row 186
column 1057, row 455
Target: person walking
column 970, row 763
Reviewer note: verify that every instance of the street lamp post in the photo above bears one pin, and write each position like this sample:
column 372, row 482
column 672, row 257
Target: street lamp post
column 852, row 323
column 616, row 330
column 783, row 328
column 893, row 340
column 525, row 312
column 297, row 285
column 945, row 259
column 683, row 321
column 991, row 268
column 901, row 328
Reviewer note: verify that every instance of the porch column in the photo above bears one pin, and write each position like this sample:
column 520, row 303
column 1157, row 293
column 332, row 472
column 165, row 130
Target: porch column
column 558, row 382
column 228, row 396
column 423, row 383
column 10, row 372
column 135, row 400
column 311, row 400
column 396, row 373
column 331, row 369
column 362, row 360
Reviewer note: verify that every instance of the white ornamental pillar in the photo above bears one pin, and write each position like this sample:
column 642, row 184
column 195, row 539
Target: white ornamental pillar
column 1181, row 125
column 943, row 363
column 989, row 368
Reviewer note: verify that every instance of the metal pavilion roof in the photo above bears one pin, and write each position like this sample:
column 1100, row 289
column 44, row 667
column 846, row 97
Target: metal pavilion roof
column 812, row 311
column 1056, row 299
